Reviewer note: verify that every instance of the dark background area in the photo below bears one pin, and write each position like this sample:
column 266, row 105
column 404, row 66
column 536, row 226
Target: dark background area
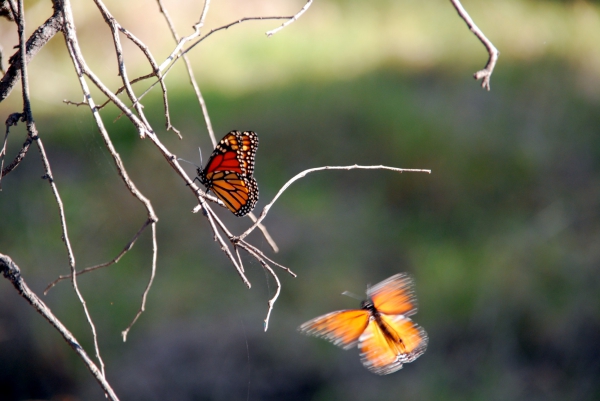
column 503, row 238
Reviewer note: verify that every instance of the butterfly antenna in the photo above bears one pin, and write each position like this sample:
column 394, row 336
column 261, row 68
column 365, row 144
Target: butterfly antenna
column 352, row 295
column 187, row 161
column 198, row 171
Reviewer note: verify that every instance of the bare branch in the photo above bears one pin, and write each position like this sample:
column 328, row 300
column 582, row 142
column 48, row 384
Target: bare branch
column 271, row 302
column 312, row 170
column 227, row 26
column 115, row 27
column 33, row 133
column 291, row 19
column 12, row 119
column 265, row 233
column 12, row 272
column 170, row 61
column 106, row 264
column 244, row 244
column 147, row 290
column 486, row 74
column 213, row 220
column 143, row 127
column 188, row 66
column 36, row 41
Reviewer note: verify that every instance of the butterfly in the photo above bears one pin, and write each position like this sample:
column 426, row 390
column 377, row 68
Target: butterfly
column 386, row 337
column 228, row 173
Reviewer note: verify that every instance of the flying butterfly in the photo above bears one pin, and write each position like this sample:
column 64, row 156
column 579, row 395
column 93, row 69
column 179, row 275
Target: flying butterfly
column 386, row 337
column 228, row 173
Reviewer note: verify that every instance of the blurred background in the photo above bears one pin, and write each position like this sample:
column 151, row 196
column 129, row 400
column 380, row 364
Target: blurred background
column 503, row 238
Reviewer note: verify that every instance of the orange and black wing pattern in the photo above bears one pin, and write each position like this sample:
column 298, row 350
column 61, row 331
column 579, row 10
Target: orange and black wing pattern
column 394, row 295
column 343, row 328
column 388, row 342
column 228, row 173
column 386, row 337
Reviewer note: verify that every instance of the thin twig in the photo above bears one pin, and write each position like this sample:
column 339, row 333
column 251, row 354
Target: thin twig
column 106, row 264
column 170, row 61
column 265, row 233
column 486, row 73
column 115, row 27
column 155, row 70
column 147, row 290
column 188, row 65
column 212, row 218
column 13, row 119
column 227, row 26
column 12, row 272
column 265, row 210
column 292, row 19
column 32, row 131
column 271, row 302
column 143, row 127
column 181, row 42
column 262, row 255
column 36, row 41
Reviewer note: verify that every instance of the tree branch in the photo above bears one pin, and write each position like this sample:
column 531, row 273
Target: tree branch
column 486, row 74
column 263, row 214
column 12, row 272
column 36, row 41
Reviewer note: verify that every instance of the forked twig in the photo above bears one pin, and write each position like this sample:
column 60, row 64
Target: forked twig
column 257, row 254
column 38, row 39
column 244, row 244
column 271, row 302
column 33, row 133
column 12, row 272
column 126, row 249
column 188, row 65
column 213, row 221
column 143, row 127
column 486, row 74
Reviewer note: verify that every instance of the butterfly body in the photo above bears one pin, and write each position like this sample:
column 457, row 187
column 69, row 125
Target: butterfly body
column 385, row 336
column 228, row 173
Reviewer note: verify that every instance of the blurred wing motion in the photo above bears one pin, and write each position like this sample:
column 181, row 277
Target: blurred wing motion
column 394, row 295
column 228, row 173
column 343, row 328
column 386, row 337
column 390, row 341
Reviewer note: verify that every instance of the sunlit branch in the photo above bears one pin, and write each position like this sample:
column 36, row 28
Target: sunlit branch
column 486, row 74
column 292, row 19
column 312, row 170
column 188, row 66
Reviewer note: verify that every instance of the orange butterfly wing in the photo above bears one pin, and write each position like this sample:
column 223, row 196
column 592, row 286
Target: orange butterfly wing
column 343, row 328
column 228, row 173
column 239, row 195
column 395, row 295
column 390, row 341
column 386, row 337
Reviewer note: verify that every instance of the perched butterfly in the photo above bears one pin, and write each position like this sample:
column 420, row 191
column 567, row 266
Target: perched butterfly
column 228, row 173
column 386, row 337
